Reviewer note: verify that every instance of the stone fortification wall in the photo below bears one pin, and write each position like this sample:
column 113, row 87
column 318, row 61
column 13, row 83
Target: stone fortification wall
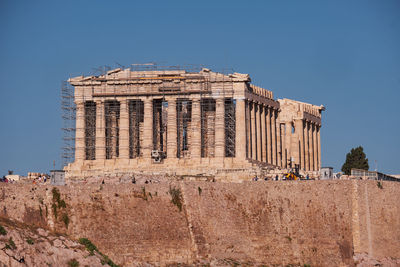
column 321, row 223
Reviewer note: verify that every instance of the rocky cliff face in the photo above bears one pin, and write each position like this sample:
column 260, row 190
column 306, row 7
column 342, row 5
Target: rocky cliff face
column 23, row 245
column 321, row 223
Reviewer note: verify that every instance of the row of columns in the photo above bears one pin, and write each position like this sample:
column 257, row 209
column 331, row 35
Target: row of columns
column 270, row 141
column 263, row 134
column 147, row 136
column 306, row 142
column 257, row 125
column 310, row 145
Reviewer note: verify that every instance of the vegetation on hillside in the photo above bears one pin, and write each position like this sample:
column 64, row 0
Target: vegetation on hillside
column 92, row 248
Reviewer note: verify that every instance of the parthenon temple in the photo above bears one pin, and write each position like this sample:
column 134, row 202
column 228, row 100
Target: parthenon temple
column 189, row 123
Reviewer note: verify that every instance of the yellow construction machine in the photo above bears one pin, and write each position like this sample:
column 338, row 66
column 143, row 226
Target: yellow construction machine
column 293, row 174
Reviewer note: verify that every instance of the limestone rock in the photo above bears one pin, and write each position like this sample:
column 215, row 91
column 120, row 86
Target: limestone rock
column 21, row 246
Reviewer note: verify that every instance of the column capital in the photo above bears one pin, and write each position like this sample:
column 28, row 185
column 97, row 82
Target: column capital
column 196, row 100
column 79, row 103
column 220, row 100
column 147, row 100
column 170, row 98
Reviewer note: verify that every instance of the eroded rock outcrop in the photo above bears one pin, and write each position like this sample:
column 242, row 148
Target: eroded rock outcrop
column 321, row 223
column 24, row 245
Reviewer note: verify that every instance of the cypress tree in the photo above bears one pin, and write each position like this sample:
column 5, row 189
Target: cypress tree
column 356, row 159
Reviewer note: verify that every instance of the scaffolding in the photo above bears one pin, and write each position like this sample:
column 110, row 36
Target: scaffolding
column 68, row 111
column 112, row 119
column 160, row 116
column 108, row 114
column 184, row 122
column 136, row 118
column 230, row 127
column 90, row 130
column 207, row 115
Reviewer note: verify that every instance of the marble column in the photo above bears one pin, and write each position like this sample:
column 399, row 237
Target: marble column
column 313, row 149
column 310, row 148
column 147, row 128
column 112, row 125
column 248, row 129
column 306, row 146
column 100, row 131
column 274, row 145
column 314, row 133
column 269, row 135
column 253, row 132
column 240, row 138
column 124, row 130
column 196, row 129
column 80, row 131
column 258, row 131
column 283, row 145
column 319, row 146
column 288, row 138
column 220, row 128
column 263, row 135
column 278, row 143
column 171, row 129
column 300, row 134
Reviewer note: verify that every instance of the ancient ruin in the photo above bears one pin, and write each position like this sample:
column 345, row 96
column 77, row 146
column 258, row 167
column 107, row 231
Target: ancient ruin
column 192, row 123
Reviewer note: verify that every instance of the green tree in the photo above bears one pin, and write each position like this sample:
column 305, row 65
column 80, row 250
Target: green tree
column 357, row 159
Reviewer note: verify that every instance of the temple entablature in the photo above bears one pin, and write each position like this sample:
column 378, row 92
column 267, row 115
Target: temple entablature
column 294, row 110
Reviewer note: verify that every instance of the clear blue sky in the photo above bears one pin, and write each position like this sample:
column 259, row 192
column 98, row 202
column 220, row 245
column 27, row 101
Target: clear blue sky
column 342, row 54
